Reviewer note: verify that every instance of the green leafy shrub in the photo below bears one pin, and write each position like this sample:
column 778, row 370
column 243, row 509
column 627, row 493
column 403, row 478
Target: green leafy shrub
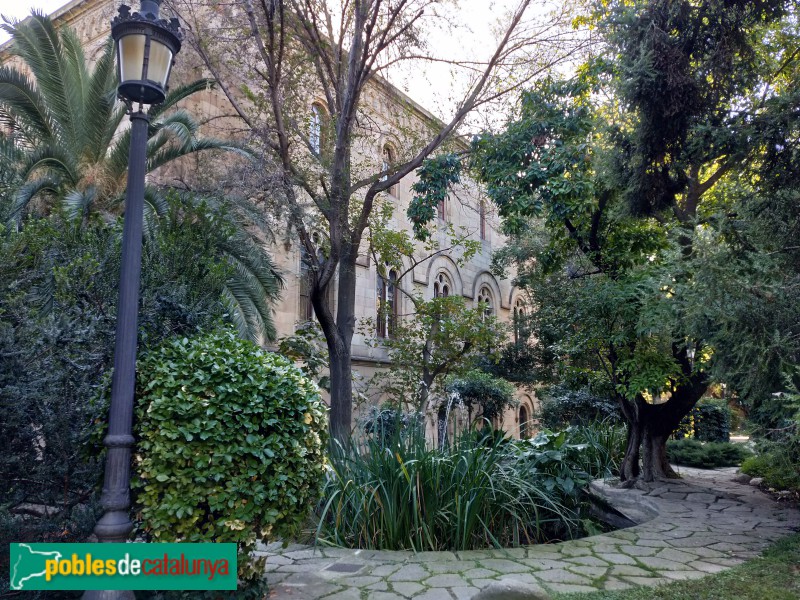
column 59, row 284
column 384, row 423
column 562, row 406
column 481, row 490
column 482, row 394
column 777, row 468
column 708, row 455
column 231, row 442
column 707, row 422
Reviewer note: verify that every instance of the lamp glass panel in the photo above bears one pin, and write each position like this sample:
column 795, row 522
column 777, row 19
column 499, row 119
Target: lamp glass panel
column 131, row 57
column 159, row 64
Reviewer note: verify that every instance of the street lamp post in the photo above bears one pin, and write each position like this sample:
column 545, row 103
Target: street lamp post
column 146, row 47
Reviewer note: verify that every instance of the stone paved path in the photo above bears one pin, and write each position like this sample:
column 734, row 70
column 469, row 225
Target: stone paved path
column 688, row 528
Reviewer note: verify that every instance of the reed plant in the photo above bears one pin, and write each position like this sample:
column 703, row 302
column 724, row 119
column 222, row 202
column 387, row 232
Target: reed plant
column 482, row 490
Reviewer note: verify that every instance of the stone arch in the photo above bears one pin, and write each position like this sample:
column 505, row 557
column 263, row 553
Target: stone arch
column 448, row 265
column 487, row 279
column 525, row 417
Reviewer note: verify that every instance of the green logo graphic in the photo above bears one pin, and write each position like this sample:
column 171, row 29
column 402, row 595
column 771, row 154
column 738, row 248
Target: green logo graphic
column 123, row 567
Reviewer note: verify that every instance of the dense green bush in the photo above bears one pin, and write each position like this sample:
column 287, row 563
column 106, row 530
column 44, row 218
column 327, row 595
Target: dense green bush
column 562, row 406
column 481, row 490
column 483, row 395
column 708, row 455
column 58, row 295
column 777, row 466
column 231, row 442
column 707, row 422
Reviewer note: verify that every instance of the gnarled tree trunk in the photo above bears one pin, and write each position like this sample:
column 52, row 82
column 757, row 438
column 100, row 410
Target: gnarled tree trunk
column 650, row 425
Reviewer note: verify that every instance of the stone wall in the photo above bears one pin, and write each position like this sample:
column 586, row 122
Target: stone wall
column 395, row 120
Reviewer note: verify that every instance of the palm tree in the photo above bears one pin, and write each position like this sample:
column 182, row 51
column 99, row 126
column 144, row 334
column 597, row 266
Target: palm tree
column 65, row 148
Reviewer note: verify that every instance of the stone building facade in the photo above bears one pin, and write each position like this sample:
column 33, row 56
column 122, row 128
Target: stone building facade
column 393, row 114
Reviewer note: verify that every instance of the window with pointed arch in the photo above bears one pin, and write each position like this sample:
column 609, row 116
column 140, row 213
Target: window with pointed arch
column 519, row 321
column 482, row 216
column 441, row 213
column 485, row 298
column 315, row 128
column 524, row 422
column 442, row 286
column 305, row 310
column 386, row 304
column 389, row 158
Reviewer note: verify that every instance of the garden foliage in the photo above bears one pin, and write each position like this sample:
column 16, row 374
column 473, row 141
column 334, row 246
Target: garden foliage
column 706, row 455
column 482, row 490
column 484, row 396
column 58, row 298
column 562, row 406
column 231, row 442
column 708, row 422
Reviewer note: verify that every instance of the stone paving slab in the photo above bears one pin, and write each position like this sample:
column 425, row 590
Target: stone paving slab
column 687, row 529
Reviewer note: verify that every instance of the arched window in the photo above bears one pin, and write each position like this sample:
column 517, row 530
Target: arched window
column 482, row 216
column 315, row 128
column 386, row 304
column 389, row 159
column 485, row 298
column 305, row 310
column 520, row 333
column 524, row 423
column 442, row 287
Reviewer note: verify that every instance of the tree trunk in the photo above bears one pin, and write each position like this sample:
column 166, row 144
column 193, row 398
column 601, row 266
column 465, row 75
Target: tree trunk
column 340, row 348
column 650, row 425
column 629, row 469
column 655, row 465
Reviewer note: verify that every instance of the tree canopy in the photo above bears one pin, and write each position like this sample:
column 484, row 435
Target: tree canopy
column 624, row 189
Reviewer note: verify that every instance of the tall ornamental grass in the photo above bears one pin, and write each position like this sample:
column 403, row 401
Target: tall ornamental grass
column 480, row 491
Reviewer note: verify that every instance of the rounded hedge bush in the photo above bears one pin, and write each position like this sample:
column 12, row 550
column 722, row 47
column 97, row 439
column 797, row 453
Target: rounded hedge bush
column 230, row 444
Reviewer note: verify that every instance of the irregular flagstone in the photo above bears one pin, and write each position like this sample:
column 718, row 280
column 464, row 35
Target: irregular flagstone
column 682, row 575
column 592, row 572
column 540, row 564
column 562, row 576
column 441, row 581
column 407, row 588
column 511, row 590
column 687, row 529
column 385, row 596
column 409, row 572
column 612, row 584
column 569, row 588
column 502, row 565
column 589, row 561
column 681, row 556
column 629, row 570
column 479, row 573
column 464, row 593
column 617, row 559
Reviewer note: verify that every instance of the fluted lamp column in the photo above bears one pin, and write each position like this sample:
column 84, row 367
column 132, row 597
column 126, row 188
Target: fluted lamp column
column 146, row 47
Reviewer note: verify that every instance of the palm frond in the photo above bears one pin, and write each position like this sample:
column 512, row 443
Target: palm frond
column 179, row 93
column 52, row 158
column 171, row 153
column 100, row 102
column 37, row 42
column 242, row 313
column 20, row 101
column 28, row 191
column 155, row 207
column 78, row 203
column 77, row 81
column 253, row 257
column 178, row 125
